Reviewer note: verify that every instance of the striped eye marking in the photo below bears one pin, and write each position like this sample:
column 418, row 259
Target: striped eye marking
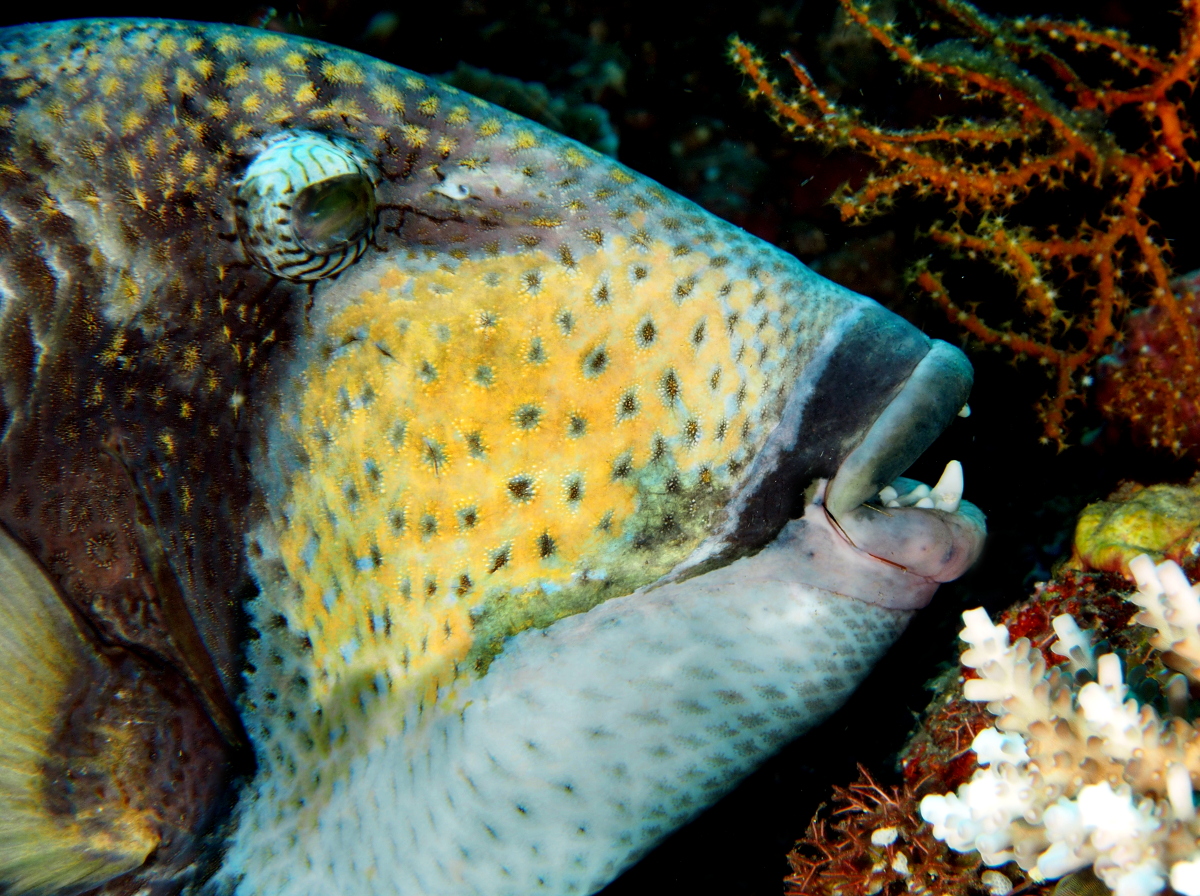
column 306, row 205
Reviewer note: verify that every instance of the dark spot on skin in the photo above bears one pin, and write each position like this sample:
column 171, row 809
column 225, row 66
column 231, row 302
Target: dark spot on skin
column 527, row 416
column 434, row 454
column 102, row 549
column 627, row 406
column 429, row 525
column 374, row 476
column 468, row 517
column 475, row 446
column 426, row 372
column 573, row 489
column 646, row 334
column 670, row 386
column 595, row 362
column 545, row 545
column 576, row 426
column 484, row 375
column 537, row 352
column 623, row 466
column 521, row 488
column 499, row 560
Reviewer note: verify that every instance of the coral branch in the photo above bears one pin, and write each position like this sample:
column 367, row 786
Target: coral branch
column 1075, row 775
column 1040, row 127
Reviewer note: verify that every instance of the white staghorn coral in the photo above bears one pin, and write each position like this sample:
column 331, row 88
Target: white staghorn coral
column 1076, row 776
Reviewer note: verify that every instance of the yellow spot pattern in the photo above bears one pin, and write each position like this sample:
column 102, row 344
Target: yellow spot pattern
column 483, row 431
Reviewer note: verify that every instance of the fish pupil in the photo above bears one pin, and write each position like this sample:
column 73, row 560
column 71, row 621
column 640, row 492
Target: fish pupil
column 334, row 212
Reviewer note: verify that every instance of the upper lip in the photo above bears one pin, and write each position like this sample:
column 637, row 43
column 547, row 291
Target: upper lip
column 925, row 405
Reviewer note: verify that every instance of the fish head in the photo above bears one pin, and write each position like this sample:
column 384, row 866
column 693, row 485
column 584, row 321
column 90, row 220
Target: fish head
column 547, row 381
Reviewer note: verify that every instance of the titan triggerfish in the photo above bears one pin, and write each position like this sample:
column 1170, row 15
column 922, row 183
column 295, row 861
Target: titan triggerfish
column 398, row 497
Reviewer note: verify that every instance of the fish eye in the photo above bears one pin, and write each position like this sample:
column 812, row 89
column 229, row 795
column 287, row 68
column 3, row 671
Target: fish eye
column 334, row 213
column 306, row 206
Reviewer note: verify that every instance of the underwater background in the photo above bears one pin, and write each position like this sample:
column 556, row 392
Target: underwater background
column 652, row 84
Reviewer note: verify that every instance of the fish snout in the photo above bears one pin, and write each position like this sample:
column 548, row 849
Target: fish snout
column 926, row 403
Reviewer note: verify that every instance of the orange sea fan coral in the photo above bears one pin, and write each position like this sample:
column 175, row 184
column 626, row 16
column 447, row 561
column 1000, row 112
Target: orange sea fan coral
column 1057, row 106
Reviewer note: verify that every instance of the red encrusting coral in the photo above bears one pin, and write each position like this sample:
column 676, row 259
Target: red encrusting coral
column 1150, row 352
column 1042, row 126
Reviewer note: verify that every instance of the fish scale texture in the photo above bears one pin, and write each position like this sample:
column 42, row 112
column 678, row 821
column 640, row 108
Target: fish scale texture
column 544, row 776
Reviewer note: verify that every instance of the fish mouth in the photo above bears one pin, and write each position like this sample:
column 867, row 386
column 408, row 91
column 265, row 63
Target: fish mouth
column 879, row 394
column 930, row 398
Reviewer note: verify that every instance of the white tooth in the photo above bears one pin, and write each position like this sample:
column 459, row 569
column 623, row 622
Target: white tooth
column 921, row 490
column 926, row 502
column 965, row 411
column 949, row 489
column 892, row 504
column 887, row 493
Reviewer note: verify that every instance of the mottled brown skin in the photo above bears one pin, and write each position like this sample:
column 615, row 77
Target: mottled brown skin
column 124, row 451
column 169, row 768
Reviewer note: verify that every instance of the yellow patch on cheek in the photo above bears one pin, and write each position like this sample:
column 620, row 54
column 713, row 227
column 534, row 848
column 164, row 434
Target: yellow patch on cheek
column 479, row 432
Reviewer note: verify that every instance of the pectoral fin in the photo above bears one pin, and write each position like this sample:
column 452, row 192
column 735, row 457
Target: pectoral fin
column 110, row 766
column 47, row 662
